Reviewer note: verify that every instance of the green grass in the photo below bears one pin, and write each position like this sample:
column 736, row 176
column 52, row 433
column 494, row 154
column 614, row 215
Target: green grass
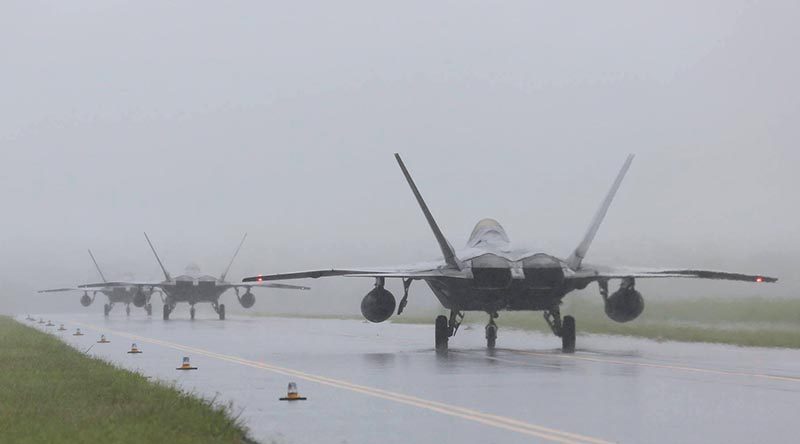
column 50, row 392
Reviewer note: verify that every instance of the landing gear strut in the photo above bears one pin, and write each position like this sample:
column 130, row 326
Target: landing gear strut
column 564, row 329
column 220, row 309
column 447, row 328
column 127, row 310
column 404, row 301
column 149, row 309
column 167, row 311
column 107, row 309
column 191, row 312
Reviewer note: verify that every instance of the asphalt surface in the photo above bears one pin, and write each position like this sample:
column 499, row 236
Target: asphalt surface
column 369, row 383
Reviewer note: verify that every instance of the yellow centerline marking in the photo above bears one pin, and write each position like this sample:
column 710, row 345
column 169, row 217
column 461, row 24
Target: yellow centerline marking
column 661, row 366
column 496, row 421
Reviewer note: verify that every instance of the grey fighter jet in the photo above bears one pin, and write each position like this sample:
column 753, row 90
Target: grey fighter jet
column 130, row 294
column 192, row 287
column 490, row 275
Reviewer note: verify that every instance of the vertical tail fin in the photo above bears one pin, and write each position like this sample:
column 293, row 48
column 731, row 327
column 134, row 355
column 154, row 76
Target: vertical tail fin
column 447, row 249
column 166, row 273
column 575, row 259
column 225, row 273
column 97, row 266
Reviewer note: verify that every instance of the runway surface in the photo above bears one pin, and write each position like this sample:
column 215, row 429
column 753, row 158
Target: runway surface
column 370, row 383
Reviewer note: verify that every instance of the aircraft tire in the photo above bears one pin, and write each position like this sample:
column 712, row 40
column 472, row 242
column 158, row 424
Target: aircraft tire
column 149, row 309
column 106, row 310
column 166, row 312
column 191, row 313
column 568, row 335
column 221, row 312
column 127, row 310
column 491, row 336
column 442, row 333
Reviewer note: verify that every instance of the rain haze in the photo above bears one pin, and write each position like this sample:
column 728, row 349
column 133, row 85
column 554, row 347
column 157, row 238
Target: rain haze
column 197, row 122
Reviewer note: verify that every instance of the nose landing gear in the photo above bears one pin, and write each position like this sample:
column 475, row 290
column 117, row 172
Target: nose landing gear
column 491, row 332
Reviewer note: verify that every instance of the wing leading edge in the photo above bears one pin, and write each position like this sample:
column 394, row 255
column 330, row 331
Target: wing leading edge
column 589, row 272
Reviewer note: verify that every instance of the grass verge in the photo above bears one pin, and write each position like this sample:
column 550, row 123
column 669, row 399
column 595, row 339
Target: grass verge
column 50, row 392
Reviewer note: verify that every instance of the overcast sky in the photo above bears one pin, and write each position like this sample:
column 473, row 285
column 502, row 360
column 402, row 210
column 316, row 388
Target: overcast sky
column 198, row 121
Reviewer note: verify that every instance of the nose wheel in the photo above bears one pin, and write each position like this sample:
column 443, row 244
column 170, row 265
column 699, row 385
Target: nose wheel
column 491, row 334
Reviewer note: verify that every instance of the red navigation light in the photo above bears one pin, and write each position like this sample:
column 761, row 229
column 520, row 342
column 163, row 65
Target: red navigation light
column 759, row 279
column 261, row 279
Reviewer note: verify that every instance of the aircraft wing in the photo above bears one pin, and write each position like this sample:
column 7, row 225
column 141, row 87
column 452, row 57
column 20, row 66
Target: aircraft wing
column 603, row 272
column 420, row 272
column 121, row 284
column 58, row 290
column 267, row 285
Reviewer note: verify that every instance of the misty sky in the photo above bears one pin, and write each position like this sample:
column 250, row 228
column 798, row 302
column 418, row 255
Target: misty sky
column 198, row 121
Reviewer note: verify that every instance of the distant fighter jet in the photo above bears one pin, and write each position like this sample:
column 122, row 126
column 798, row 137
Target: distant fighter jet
column 130, row 294
column 491, row 275
column 194, row 288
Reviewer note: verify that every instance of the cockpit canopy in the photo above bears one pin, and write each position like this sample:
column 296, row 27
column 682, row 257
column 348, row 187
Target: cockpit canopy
column 488, row 232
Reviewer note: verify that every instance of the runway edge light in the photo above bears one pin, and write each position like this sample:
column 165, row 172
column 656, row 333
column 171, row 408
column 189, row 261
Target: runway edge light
column 134, row 349
column 292, row 395
column 61, row 328
column 186, row 365
column 103, row 340
column 77, row 332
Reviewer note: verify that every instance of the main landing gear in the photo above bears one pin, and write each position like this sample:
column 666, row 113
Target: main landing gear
column 446, row 328
column 167, row 310
column 107, row 309
column 149, row 309
column 220, row 309
column 127, row 309
column 564, row 329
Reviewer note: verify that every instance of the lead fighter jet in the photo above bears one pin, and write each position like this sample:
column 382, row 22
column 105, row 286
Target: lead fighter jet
column 193, row 288
column 492, row 275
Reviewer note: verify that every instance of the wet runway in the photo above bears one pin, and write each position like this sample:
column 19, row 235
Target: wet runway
column 369, row 383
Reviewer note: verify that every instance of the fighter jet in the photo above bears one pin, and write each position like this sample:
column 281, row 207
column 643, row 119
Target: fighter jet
column 193, row 287
column 491, row 275
column 130, row 294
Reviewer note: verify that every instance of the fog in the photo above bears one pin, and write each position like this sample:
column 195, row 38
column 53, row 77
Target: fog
column 198, row 121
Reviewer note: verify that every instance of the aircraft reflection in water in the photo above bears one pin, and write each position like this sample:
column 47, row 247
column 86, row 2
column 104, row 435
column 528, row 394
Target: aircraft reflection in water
column 492, row 275
column 194, row 288
column 116, row 294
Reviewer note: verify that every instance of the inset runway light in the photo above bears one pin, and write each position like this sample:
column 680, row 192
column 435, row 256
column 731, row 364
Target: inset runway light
column 103, row 340
column 186, row 365
column 61, row 328
column 292, row 394
column 77, row 332
column 134, row 349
